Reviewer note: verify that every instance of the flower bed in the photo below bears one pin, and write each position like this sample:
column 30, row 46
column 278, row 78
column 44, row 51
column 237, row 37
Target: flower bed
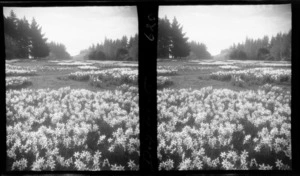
column 163, row 82
column 72, row 129
column 223, row 129
column 12, row 70
column 115, row 76
column 17, row 82
column 166, row 72
column 257, row 76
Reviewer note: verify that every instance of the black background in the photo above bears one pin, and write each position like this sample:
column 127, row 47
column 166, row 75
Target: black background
column 148, row 14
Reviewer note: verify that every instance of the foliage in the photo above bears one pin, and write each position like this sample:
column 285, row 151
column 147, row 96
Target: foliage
column 103, row 78
column 120, row 49
column 11, row 70
column 166, row 72
column 229, row 67
column 238, row 54
column 164, row 38
column 58, row 51
column 72, row 129
column 173, row 69
column 199, row 50
column 281, row 46
column 87, row 67
column 163, row 82
column 122, row 54
column 171, row 40
column 179, row 47
column 96, row 55
column 11, row 47
column 24, row 40
column 10, row 24
column 133, row 48
column 263, row 54
column 17, row 82
column 256, row 76
column 278, row 48
column 76, row 63
column 223, row 129
column 17, row 37
column 39, row 47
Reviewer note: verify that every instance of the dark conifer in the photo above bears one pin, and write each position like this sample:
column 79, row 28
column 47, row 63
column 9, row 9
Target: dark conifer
column 179, row 46
column 164, row 38
column 39, row 47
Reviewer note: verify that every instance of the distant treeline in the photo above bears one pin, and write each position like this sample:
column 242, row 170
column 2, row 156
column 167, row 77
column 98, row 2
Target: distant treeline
column 24, row 40
column 173, row 43
column 278, row 48
column 58, row 51
column 119, row 49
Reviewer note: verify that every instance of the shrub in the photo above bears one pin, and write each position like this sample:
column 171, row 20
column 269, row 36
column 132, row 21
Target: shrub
column 237, row 81
column 97, row 55
column 17, row 82
column 163, row 82
column 122, row 54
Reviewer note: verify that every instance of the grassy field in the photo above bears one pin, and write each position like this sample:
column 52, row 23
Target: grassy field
column 83, row 115
column 196, row 75
column 58, row 121
column 224, row 115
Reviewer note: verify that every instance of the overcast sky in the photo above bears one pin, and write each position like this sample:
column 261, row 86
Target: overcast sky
column 221, row 26
column 79, row 27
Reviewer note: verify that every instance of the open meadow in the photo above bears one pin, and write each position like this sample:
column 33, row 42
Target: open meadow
column 224, row 114
column 72, row 115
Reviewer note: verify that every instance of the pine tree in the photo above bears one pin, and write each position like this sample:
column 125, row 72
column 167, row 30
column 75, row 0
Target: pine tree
column 124, row 42
column 10, row 35
column 10, row 25
column 179, row 46
column 133, row 49
column 164, row 38
column 119, row 49
column 278, row 48
column 23, row 38
column 39, row 47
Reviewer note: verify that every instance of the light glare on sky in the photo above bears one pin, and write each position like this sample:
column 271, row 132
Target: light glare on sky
column 220, row 26
column 80, row 27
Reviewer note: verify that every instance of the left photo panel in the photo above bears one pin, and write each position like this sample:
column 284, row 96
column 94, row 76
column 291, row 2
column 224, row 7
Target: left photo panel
column 71, row 88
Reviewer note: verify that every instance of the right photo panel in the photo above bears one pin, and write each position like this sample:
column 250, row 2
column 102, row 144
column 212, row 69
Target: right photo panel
column 224, row 87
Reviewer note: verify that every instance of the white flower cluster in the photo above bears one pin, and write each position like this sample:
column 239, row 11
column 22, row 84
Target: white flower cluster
column 237, row 81
column 32, row 70
column 163, row 81
column 265, row 64
column 87, row 67
column 77, row 63
column 216, row 63
column 115, row 76
column 12, row 70
column 47, row 128
column 184, row 68
column 255, row 75
column 165, row 72
column 229, row 67
column 204, row 124
column 51, row 68
column 16, row 82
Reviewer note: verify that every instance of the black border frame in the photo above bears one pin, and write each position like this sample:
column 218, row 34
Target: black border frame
column 147, row 11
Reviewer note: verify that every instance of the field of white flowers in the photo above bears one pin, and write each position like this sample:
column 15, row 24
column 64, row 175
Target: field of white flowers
column 214, row 127
column 70, row 128
column 236, row 115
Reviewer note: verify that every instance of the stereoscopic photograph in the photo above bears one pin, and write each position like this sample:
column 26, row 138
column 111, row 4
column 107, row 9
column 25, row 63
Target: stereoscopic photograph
column 71, row 88
column 224, row 87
